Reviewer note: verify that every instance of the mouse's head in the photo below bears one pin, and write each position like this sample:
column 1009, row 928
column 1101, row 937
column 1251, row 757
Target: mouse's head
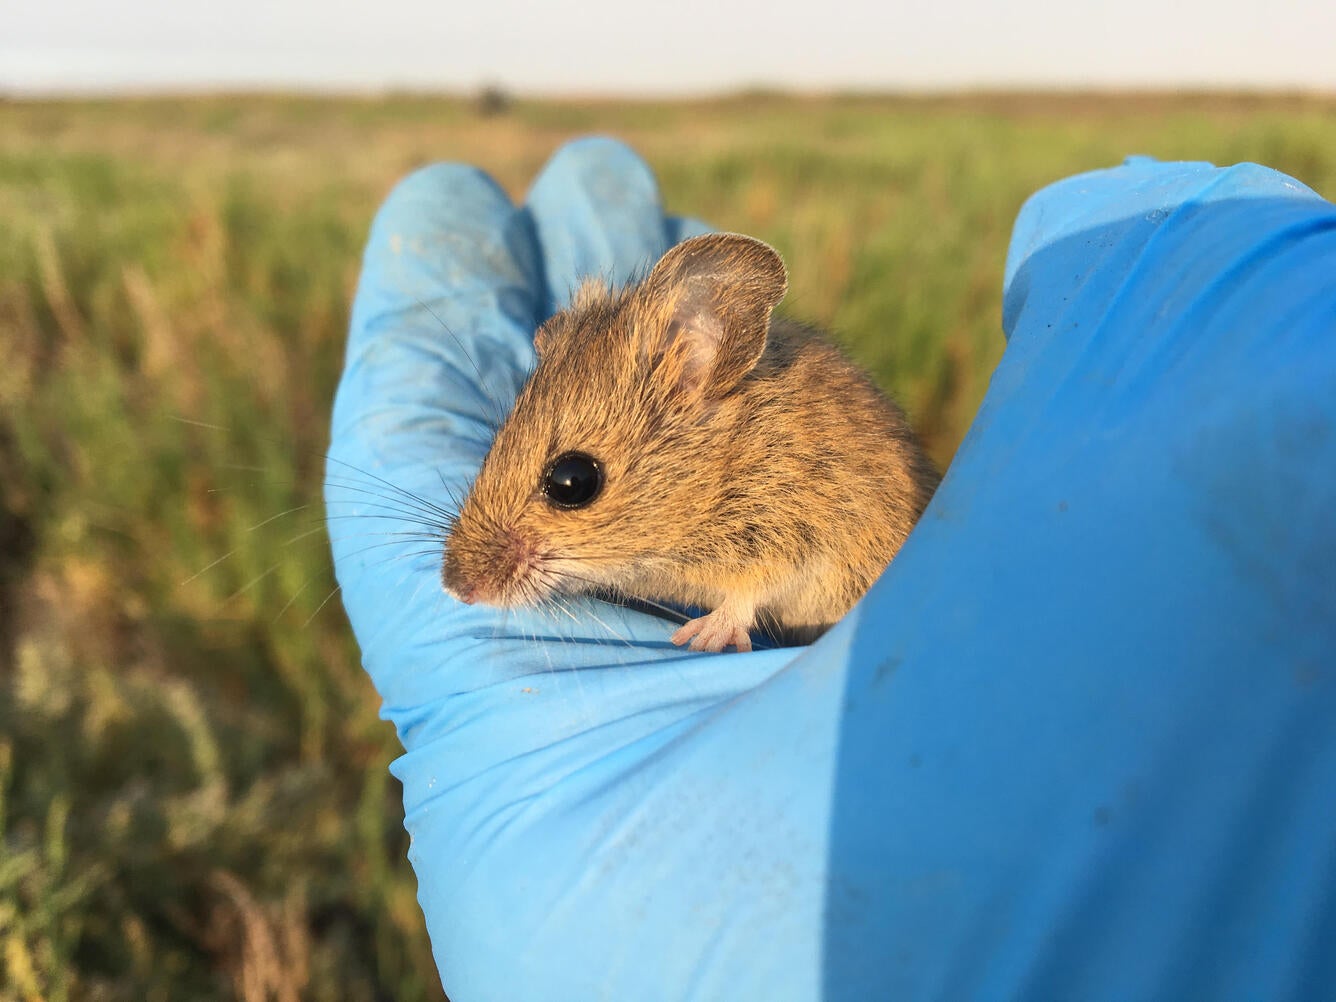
column 603, row 468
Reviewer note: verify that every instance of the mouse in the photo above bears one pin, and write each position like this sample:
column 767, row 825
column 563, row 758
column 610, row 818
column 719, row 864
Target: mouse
column 677, row 443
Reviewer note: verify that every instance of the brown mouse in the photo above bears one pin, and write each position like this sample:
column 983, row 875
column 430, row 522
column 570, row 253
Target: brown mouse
column 674, row 443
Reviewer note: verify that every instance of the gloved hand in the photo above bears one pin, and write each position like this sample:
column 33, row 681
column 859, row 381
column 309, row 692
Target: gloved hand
column 1077, row 742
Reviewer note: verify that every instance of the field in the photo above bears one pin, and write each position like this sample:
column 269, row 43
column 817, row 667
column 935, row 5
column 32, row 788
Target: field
column 194, row 799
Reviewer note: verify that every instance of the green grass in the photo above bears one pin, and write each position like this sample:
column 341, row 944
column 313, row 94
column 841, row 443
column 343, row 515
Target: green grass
column 193, row 791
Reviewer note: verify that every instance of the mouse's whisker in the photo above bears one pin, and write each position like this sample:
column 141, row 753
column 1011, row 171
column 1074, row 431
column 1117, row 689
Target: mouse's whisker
column 387, row 507
column 454, row 498
column 333, row 591
column 396, row 520
column 419, row 507
column 210, row 566
column 392, row 486
column 619, row 597
column 497, row 416
column 419, row 535
column 274, row 518
column 253, row 582
column 303, row 535
column 611, row 632
column 391, row 543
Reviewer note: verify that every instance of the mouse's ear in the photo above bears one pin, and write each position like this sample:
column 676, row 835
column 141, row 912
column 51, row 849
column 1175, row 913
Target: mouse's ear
column 713, row 296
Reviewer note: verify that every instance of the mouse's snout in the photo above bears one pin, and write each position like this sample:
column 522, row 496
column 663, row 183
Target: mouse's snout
column 467, row 597
column 455, row 573
column 501, row 569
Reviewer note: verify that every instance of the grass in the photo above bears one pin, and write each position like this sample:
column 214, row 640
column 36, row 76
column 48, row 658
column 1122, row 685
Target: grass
column 193, row 791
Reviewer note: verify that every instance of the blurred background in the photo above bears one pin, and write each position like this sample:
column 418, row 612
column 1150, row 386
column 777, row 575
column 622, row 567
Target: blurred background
column 194, row 800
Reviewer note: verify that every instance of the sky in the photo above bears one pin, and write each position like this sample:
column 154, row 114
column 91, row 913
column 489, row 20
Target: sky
column 660, row 47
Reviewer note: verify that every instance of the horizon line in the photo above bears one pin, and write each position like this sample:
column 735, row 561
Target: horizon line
column 759, row 91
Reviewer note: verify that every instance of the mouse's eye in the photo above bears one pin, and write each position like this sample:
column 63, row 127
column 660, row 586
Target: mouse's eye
column 573, row 480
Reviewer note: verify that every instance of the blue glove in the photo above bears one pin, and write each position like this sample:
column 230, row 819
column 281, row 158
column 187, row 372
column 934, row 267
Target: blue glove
column 1078, row 742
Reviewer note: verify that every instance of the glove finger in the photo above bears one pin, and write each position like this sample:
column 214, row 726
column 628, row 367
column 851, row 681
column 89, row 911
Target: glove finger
column 440, row 340
column 597, row 213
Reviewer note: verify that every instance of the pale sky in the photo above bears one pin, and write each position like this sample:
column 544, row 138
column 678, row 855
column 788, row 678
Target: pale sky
column 662, row 46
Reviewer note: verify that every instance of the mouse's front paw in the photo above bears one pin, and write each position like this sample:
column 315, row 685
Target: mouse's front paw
column 714, row 632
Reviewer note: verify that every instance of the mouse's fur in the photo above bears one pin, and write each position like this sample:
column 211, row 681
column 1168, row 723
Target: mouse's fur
column 748, row 467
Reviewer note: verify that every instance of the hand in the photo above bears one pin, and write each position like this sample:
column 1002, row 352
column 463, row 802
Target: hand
column 1075, row 743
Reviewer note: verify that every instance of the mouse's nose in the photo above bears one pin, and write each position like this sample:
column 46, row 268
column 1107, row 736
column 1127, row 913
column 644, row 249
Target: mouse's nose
column 461, row 590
